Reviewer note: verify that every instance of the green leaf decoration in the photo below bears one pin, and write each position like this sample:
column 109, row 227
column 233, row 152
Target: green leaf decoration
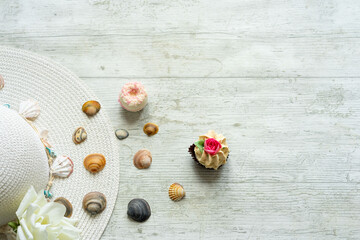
column 200, row 145
column 14, row 225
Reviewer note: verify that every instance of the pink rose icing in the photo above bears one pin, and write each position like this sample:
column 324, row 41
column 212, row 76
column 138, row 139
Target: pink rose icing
column 212, row 146
column 215, row 150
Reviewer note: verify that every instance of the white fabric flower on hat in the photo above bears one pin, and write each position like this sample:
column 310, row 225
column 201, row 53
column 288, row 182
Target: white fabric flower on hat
column 42, row 220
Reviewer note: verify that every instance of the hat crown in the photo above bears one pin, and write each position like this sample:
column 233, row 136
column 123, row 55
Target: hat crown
column 23, row 162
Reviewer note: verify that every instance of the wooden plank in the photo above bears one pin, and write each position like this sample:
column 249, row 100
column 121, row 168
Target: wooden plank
column 261, row 18
column 192, row 56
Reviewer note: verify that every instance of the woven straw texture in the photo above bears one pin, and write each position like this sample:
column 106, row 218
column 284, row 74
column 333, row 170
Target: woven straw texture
column 19, row 156
column 61, row 95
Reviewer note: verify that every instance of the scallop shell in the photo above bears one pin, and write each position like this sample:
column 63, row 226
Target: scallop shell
column 94, row 202
column 80, row 135
column 121, row 134
column 62, row 166
column 29, row 109
column 150, row 129
column 2, row 82
column 94, row 162
column 176, row 192
column 91, row 107
column 67, row 204
column 142, row 159
column 139, row 210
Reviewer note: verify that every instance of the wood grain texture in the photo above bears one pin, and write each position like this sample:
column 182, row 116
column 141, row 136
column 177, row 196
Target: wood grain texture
column 280, row 79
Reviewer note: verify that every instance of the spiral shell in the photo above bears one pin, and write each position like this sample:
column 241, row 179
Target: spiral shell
column 176, row 192
column 80, row 135
column 29, row 109
column 67, row 204
column 94, row 162
column 94, row 202
column 139, row 210
column 2, row 82
column 91, row 107
column 150, row 129
column 62, row 167
column 142, row 159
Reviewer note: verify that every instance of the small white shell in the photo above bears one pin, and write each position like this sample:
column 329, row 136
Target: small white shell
column 62, row 166
column 29, row 109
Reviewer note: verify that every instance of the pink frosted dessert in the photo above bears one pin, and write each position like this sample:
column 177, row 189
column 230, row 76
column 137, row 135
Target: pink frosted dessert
column 133, row 96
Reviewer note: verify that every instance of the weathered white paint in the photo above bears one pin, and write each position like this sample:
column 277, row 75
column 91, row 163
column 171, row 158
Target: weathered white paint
column 279, row 78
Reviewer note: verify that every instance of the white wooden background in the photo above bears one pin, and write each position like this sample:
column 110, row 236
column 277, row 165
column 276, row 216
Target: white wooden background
column 279, row 78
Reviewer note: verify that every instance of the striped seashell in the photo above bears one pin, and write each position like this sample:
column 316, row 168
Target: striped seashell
column 142, row 159
column 67, row 204
column 29, row 109
column 139, row 210
column 94, row 202
column 94, row 162
column 80, row 135
column 62, row 167
column 176, row 192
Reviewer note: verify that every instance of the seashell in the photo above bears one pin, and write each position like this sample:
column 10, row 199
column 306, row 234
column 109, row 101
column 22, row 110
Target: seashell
column 2, row 82
column 62, row 166
column 150, row 129
column 91, row 107
column 29, row 109
column 176, row 192
column 80, row 135
column 121, row 134
column 48, row 194
column 67, row 204
column 142, row 159
column 94, row 162
column 139, row 210
column 94, row 202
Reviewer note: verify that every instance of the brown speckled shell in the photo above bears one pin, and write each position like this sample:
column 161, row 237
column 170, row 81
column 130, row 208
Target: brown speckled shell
column 151, row 129
column 79, row 135
column 91, row 107
column 94, row 162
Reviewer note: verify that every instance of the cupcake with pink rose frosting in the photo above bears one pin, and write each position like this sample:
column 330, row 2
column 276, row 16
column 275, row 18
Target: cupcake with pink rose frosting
column 210, row 151
column 133, row 96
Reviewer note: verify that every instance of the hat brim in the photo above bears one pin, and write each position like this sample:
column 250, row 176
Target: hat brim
column 61, row 94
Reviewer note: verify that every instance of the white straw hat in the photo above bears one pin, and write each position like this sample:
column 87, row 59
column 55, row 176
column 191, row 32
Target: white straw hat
column 60, row 95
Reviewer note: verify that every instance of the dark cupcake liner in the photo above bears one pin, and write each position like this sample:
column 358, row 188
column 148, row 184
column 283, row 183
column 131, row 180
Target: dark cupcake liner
column 192, row 152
